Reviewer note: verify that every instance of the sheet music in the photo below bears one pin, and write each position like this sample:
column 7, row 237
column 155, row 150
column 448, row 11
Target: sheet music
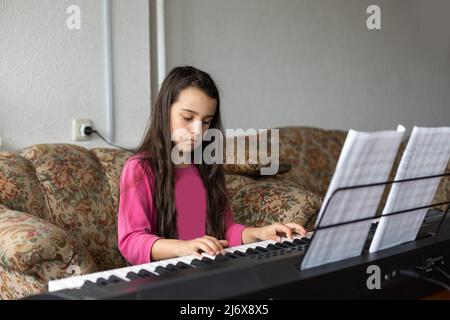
column 427, row 153
column 365, row 158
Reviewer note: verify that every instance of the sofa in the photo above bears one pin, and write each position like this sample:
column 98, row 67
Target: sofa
column 58, row 203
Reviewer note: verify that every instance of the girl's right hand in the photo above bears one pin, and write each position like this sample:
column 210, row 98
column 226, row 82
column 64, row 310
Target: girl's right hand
column 207, row 244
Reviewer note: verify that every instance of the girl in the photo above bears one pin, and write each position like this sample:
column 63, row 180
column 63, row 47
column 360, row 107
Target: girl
column 169, row 210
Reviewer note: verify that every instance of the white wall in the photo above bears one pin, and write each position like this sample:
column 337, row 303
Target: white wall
column 314, row 62
column 277, row 62
column 50, row 75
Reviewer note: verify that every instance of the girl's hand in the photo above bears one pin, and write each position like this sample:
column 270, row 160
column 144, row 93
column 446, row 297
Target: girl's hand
column 277, row 230
column 207, row 244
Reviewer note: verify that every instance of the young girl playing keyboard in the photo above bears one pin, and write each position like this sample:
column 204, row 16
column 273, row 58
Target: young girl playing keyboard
column 168, row 210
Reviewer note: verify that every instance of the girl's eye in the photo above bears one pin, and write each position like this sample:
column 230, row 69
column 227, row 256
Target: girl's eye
column 206, row 122
column 187, row 119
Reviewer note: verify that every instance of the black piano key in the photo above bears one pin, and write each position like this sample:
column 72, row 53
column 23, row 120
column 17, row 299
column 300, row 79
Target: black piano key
column 183, row 265
column 275, row 246
column 132, row 275
column 207, row 260
column 88, row 284
column 101, row 282
column 161, row 270
column 144, row 273
column 221, row 257
column 299, row 241
column 114, row 279
column 239, row 253
column 198, row 263
column 251, row 251
column 171, row 267
column 271, row 247
column 289, row 244
column 261, row 249
column 232, row 255
column 283, row 245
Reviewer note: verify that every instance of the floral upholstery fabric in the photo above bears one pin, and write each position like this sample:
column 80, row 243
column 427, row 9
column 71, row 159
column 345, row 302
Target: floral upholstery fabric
column 236, row 182
column 20, row 188
column 264, row 202
column 245, row 163
column 37, row 248
column 112, row 162
column 15, row 284
column 443, row 191
column 313, row 154
column 79, row 198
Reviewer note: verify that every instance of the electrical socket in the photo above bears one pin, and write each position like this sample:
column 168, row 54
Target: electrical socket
column 77, row 124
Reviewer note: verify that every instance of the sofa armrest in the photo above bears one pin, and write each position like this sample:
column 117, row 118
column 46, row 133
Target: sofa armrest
column 36, row 247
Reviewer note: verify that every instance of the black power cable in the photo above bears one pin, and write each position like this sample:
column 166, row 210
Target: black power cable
column 88, row 131
column 442, row 272
column 416, row 275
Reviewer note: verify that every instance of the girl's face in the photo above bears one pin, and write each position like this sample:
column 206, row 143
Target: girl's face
column 190, row 117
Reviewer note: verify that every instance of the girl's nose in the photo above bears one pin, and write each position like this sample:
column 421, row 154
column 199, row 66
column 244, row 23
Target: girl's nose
column 196, row 129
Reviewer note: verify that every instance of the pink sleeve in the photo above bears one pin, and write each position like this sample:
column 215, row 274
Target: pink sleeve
column 136, row 213
column 233, row 232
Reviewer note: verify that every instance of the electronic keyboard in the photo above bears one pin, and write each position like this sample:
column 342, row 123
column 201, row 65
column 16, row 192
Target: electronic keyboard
column 270, row 270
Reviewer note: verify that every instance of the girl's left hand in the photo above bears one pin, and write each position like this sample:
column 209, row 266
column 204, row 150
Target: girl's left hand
column 277, row 230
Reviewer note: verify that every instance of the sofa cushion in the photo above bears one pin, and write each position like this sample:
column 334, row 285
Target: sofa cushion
column 254, row 170
column 264, row 202
column 79, row 198
column 36, row 247
column 16, row 285
column 249, row 167
column 313, row 154
column 443, row 191
column 112, row 162
column 235, row 182
column 19, row 187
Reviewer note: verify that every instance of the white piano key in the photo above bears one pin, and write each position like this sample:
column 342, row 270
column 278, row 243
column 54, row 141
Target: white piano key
column 177, row 260
column 234, row 249
column 151, row 267
column 189, row 259
column 95, row 276
column 61, row 284
column 208, row 256
column 134, row 269
column 243, row 248
column 264, row 244
column 166, row 262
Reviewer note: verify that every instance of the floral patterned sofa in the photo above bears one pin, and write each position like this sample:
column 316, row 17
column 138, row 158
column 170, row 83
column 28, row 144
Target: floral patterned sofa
column 58, row 204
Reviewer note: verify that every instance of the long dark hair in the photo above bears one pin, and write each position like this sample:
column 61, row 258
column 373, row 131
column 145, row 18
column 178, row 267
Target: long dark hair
column 157, row 147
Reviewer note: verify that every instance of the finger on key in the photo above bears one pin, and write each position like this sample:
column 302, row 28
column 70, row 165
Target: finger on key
column 298, row 228
column 217, row 243
column 213, row 245
column 204, row 247
column 286, row 230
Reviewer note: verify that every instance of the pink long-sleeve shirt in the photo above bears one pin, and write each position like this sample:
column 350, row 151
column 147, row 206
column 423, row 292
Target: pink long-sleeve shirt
column 137, row 213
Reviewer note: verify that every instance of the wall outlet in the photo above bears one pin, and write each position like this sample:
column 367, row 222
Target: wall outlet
column 76, row 129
